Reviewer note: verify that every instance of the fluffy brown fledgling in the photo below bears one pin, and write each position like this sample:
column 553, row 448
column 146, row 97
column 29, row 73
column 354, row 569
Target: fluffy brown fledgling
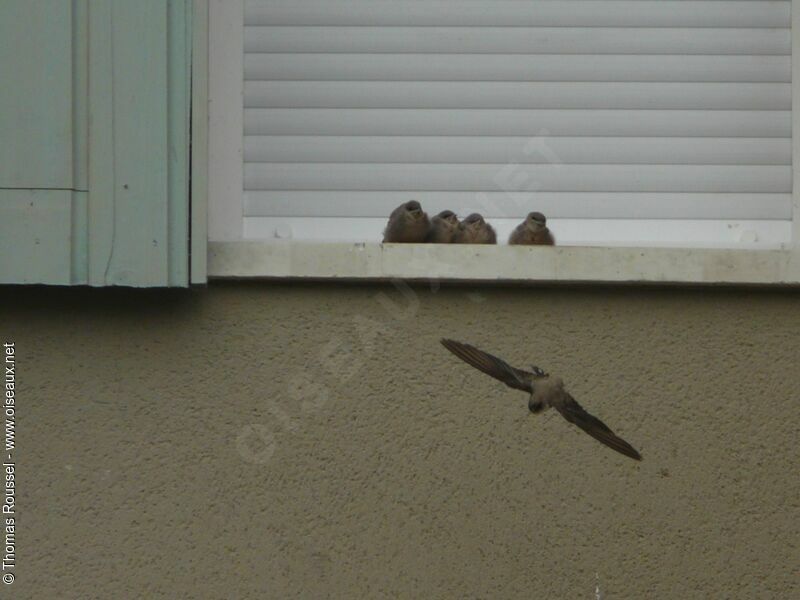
column 408, row 224
column 474, row 230
column 444, row 228
column 544, row 392
column 532, row 231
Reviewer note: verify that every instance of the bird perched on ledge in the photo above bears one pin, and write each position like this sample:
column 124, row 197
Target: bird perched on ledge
column 444, row 228
column 408, row 223
column 545, row 392
column 474, row 230
column 532, row 231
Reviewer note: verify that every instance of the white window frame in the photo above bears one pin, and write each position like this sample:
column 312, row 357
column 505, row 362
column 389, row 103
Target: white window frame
column 231, row 256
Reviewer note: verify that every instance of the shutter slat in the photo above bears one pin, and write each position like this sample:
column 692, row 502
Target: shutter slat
column 688, row 123
column 569, row 232
column 515, row 67
column 653, row 13
column 496, row 204
column 576, row 178
column 539, row 150
column 462, row 94
column 522, row 40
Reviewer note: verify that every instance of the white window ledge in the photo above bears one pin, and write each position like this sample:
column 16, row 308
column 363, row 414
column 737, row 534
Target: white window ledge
column 501, row 264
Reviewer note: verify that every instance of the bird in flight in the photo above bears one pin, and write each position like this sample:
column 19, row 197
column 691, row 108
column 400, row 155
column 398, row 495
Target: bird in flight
column 545, row 392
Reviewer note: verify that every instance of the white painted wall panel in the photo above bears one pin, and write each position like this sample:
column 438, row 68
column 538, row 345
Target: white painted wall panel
column 644, row 111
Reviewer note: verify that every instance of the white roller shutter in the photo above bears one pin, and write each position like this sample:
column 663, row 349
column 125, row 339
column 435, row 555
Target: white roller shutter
column 626, row 122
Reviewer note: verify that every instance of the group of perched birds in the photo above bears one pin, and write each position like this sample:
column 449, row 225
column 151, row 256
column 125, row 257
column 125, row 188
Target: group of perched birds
column 409, row 224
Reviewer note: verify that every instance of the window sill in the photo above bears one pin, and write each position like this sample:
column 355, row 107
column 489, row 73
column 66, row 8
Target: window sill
column 501, row 264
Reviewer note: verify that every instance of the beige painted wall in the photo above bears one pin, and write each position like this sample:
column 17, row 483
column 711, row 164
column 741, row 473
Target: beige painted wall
column 254, row 441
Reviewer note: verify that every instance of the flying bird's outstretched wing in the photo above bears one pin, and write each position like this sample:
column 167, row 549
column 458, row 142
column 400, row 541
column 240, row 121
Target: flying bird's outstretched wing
column 491, row 365
column 575, row 413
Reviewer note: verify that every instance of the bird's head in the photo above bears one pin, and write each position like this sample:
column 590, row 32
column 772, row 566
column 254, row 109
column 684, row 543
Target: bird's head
column 535, row 221
column 473, row 222
column 414, row 210
column 449, row 217
column 537, row 372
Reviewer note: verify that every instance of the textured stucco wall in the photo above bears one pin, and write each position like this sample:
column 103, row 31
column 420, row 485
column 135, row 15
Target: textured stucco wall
column 273, row 441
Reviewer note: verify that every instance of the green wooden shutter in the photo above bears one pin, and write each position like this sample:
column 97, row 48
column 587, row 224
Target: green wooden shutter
column 94, row 142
